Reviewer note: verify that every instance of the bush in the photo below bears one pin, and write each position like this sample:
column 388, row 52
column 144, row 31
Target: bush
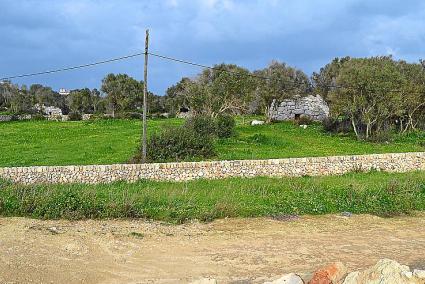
column 193, row 140
column 202, row 124
column 337, row 125
column 225, row 126
column 178, row 144
column 74, row 116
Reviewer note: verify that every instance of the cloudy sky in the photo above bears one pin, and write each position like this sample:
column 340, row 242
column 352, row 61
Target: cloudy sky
column 48, row 34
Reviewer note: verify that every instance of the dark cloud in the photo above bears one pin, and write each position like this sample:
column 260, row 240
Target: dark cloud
column 40, row 35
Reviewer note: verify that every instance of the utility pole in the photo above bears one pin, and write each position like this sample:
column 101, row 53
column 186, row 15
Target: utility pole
column 145, row 94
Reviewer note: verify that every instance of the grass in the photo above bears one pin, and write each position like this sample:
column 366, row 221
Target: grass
column 375, row 193
column 28, row 143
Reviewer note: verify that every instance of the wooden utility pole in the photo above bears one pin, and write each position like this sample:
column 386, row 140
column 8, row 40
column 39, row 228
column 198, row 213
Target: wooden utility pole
column 145, row 100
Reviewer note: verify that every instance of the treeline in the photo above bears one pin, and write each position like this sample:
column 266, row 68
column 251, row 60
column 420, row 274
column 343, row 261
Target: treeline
column 370, row 96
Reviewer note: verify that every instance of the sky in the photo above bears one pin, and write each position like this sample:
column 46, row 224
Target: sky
column 48, row 34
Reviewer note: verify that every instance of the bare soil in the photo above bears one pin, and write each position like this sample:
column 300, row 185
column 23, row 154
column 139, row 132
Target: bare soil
column 230, row 250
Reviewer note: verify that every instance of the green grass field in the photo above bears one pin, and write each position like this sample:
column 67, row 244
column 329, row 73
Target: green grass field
column 28, row 143
column 376, row 193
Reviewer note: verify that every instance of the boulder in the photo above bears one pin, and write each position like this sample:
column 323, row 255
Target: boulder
column 383, row 272
column 331, row 274
column 290, row 278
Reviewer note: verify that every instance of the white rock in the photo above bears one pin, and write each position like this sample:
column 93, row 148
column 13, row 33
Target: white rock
column 290, row 278
column 257, row 122
column 419, row 274
column 383, row 272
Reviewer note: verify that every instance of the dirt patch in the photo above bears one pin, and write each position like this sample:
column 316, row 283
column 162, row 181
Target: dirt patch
column 230, row 250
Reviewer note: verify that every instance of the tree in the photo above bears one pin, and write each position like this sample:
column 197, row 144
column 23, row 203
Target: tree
column 81, row 101
column 225, row 89
column 175, row 98
column 7, row 91
column 324, row 82
column 122, row 92
column 367, row 94
column 21, row 101
column 412, row 104
column 284, row 82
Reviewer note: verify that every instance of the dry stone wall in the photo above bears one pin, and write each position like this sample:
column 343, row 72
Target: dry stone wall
column 317, row 166
column 313, row 107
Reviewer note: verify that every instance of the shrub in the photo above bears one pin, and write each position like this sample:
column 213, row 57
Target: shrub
column 222, row 126
column 335, row 125
column 74, row 116
column 202, row 124
column 225, row 126
column 178, row 144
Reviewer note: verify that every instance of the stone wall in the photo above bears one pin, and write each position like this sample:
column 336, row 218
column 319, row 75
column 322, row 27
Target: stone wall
column 400, row 162
column 11, row 117
column 313, row 107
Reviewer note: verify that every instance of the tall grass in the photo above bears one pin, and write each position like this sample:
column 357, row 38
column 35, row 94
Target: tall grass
column 376, row 193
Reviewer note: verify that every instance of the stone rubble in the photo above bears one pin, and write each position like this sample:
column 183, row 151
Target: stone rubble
column 385, row 271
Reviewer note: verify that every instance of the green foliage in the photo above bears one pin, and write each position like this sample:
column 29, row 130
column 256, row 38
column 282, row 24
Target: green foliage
column 377, row 94
column 202, row 124
column 227, row 88
column 123, row 92
column 360, row 193
column 178, row 144
column 285, row 82
column 225, row 126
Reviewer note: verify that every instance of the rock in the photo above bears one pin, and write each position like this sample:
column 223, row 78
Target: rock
column 346, row 214
column 352, row 277
column 331, row 274
column 290, row 278
column 419, row 273
column 257, row 122
column 204, row 281
column 385, row 271
column 53, row 230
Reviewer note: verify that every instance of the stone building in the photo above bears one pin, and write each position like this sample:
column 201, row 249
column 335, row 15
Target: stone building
column 311, row 106
column 49, row 111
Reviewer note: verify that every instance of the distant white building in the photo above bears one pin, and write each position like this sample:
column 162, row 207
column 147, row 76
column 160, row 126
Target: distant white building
column 64, row 92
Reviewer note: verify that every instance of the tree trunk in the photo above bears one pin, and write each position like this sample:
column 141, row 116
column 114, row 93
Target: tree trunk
column 355, row 128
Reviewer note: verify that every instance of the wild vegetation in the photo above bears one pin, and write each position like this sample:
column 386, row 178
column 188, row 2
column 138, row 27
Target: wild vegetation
column 376, row 193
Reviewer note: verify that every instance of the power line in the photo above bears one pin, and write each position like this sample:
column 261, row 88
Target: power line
column 206, row 66
column 287, row 88
column 73, row 67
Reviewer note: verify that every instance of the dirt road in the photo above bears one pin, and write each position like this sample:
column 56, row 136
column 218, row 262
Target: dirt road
column 230, row 250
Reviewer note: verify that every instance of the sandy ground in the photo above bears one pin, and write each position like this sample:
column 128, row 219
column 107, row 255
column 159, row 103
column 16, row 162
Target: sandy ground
column 230, row 250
